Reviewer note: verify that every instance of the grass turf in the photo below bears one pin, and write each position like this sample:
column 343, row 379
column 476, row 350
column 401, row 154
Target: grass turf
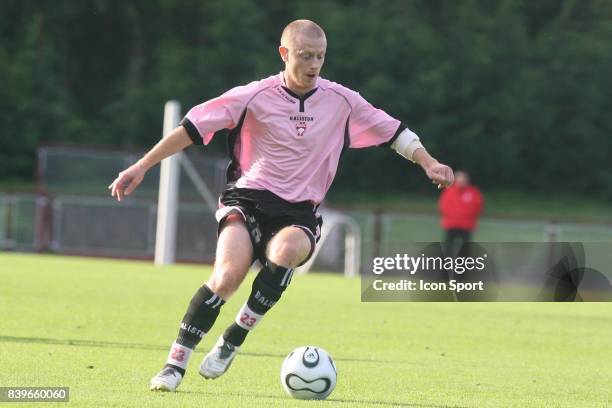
column 103, row 327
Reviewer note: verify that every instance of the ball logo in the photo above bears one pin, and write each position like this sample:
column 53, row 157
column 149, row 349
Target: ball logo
column 310, row 357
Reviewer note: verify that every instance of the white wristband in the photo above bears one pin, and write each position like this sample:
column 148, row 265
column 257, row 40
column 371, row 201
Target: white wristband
column 406, row 144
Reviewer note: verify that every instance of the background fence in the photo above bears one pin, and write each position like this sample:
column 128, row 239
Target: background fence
column 74, row 214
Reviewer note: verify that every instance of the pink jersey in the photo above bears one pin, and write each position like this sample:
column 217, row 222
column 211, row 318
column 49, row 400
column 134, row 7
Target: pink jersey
column 287, row 144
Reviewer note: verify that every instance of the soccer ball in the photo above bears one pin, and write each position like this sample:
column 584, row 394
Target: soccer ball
column 308, row 372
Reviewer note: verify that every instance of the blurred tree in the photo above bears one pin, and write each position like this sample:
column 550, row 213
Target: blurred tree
column 40, row 106
column 515, row 91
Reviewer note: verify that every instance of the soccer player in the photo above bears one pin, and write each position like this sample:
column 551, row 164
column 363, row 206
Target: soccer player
column 287, row 134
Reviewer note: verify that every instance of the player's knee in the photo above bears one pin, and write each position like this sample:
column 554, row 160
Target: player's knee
column 226, row 280
column 223, row 286
column 289, row 253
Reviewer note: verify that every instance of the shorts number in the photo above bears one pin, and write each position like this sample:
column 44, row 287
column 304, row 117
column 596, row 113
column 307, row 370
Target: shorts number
column 255, row 231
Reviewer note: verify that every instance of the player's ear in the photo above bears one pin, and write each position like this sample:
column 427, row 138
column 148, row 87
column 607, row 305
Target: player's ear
column 284, row 53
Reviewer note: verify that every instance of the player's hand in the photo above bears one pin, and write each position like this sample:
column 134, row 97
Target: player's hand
column 440, row 174
column 127, row 181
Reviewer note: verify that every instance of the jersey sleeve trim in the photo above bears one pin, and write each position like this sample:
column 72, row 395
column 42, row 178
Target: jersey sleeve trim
column 192, row 131
column 399, row 130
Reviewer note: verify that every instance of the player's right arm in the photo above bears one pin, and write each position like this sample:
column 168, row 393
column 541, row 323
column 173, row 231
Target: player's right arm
column 127, row 181
column 198, row 126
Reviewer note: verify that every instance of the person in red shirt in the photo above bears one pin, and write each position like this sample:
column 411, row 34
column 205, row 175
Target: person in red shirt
column 460, row 206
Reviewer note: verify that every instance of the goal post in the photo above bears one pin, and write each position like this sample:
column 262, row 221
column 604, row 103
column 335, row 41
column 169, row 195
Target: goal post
column 167, row 209
column 168, row 196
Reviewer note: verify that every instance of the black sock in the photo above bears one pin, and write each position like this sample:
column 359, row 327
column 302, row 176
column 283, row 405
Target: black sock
column 235, row 335
column 177, row 368
column 267, row 289
column 199, row 318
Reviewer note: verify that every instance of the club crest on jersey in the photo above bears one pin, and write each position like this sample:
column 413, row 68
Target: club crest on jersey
column 300, row 123
column 301, row 128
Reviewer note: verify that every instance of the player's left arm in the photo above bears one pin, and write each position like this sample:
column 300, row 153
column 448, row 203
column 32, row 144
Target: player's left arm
column 408, row 145
column 438, row 173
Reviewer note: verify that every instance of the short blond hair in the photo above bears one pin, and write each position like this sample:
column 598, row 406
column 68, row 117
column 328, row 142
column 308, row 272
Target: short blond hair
column 301, row 27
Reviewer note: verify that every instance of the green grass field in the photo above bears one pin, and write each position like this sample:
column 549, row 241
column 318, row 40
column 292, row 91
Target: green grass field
column 103, row 328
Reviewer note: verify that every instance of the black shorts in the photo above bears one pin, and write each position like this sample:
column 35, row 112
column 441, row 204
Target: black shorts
column 265, row 214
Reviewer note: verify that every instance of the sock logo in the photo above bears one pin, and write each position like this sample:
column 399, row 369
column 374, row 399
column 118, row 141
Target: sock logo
column 192, row 329
column 178, row 354
column 248, row 320
column 263, row 301
column 287, row 277
column 215, row 301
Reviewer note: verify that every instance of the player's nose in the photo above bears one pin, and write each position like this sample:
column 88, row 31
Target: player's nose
column 315, row 66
